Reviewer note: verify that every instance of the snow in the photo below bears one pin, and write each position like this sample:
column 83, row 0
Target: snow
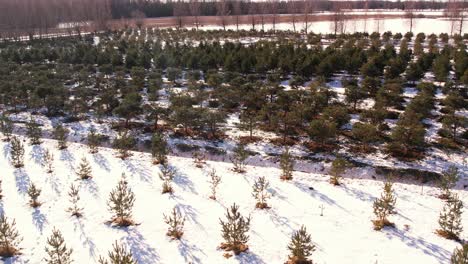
column 343, row 234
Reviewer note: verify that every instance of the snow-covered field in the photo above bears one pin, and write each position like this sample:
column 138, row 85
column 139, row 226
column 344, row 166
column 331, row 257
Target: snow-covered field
column 344, row 234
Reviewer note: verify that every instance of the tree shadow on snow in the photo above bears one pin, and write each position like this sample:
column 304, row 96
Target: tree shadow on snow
column 87, row 242
column 6, row 150
column 188, row 252
column 39, row 219
column 67, row 156
column 138, row 168
column 37, row 154
column 363, row 196
column 100, row 160
column 55, row 183
column 189, row 212
column 322, row 197
column 250, row 258
column 184, row 182
column 90, row 186
column 427, row 248
column 141, row 250
column 22, row 180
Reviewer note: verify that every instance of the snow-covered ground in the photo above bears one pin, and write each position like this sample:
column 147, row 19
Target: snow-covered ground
column 344, row 234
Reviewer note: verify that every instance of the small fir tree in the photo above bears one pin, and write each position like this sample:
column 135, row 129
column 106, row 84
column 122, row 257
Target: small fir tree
column 49, row 161
column 159, row 149
column 214, row 181
column 238, row 159
column 61, row 135
column 9, row 238
column 450, row 218
column 57, row 250
column 234, row 231
column 286, row 165
column 34, row 132
column 74, row 198
column 120, row 203
column 460, row 255
column 301, row 247
column 448, row 180
column 338, row 167
column 167, row 174
column 6, row 127
column 17, row 152
column 389, row 197
column 260, row 193
column 93, row 141
column 119, row 255
column 84, row 171
column 176, row 224
column 34, row 194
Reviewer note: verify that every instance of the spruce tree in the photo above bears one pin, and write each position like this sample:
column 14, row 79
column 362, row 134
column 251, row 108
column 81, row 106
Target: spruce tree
column 120, row 203
column 9, row 238
column 6, row 127
column 74, row 195
column 448, row 180
column 234, row 231
column 384, row 206
column 338, row 167
column 450, row 218
column 93, row 141
column 176, row 224
column 84, row 171
column 238, row 158
column 57, row 250
column 119, row 255
column 159, row 149
column 34, row 194
column 61, row 135
column 167, row 174
column 17, row 152
column 301, row 247
column 49, row 161
column 286, row 165
column 460, row 255
column 34, row 132
column 260, row 193
column 214, row 181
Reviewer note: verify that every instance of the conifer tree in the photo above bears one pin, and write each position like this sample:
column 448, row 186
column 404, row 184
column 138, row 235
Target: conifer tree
column 159, row 149
column 120, row 203
column 176, row 224
column 57, row 250
column 119, row 255
column 6, row 127
column 9, row 238
column 34, row 132
column 301, row 247
column 450, row 218
column 34, row 194
column 93, row 141
column 84, row 171
column 460, row 255
column 17, row 152
column 389, row 197
column 260, row 192
column 61, row 135
column 238, row 159
column 74, row 195
column 124, row 143
column 214, row 181
column 338, row 167
column 167, row 175
column 286, row 165
column 448, row 180
column 1, row 190
column 49, row 161
column 199, row 159
column 384, row 206
column 234, row 231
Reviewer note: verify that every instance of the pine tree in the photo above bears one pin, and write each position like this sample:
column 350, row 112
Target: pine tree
column 57, row 249
column 84, row 171
column 49, row 161
column 214, row 181
column 124, row 143
column 286, row 165
column 159, row 149
column 61, row 134
column 119, row 255
column 450, row 218
column 74, row 195
column 17, row 152
column 34, row 132
column 34, row 194
column 301, row 247
column 460, row 255
column 1, row 190
column 93, row 141
column 238, row 159
column 338, row 167
column 120, row 203
column 234, row 231
column 389, row 197
column 6, row 127
column 9, row 238
column 167, row 175
column 448, row 180
column 384, row 206
column 260, row 192
column 176, row 224
column 199, row 159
